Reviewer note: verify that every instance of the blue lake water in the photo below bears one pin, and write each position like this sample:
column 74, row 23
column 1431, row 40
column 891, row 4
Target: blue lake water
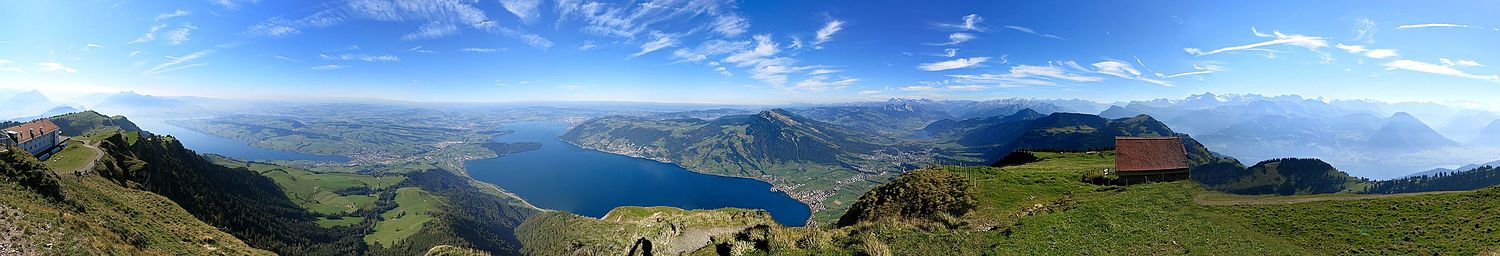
column 204, row 144
column 562, row 176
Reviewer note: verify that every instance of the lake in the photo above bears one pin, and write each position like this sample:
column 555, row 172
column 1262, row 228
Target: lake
column 562, row 176
column 204, row 143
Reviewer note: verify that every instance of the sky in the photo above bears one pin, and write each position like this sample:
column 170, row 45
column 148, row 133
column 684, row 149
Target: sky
column 754, row 52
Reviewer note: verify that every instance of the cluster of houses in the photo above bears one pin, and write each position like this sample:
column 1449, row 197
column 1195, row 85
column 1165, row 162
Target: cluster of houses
column 39, row 137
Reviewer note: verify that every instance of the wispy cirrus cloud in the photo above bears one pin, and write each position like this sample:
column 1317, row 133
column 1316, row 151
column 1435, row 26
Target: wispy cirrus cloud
column 178, row 63
column 662, row 40
column 5, row 66
column 823, row 83
column 1436, row 25
column 953, row 64
column 438, row 14
column 361, row 57
column 1309, row 42
column 1372, row 53
column 52, row 66
column 1447, row 68
column 825, row 34
column 970, row 23
column 1033, row 32
column 479, row 50
column 958, row 38
column 432, row 30
column 731, row 24
column 1124, row 70
column 525, row 10
column 175, row 36
column 328, row 67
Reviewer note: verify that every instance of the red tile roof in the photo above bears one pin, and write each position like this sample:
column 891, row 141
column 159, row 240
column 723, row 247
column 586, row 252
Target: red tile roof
column 1134, row 154
column 44, row 125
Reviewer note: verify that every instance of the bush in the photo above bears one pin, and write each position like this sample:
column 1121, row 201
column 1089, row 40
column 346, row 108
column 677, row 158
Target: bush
column 920, row 194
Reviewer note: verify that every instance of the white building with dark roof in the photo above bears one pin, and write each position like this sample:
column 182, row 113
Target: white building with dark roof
column 36, row 137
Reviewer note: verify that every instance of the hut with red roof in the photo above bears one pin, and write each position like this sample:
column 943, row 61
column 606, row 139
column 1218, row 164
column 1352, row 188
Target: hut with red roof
column 1150, row 159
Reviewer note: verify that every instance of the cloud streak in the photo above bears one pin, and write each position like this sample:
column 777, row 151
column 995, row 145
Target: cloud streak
column 177, row 63
column 56, row 67
column 953, row 64
column 1309, row 42
column 826, row 33
column 1446, row 69
column 1033, row 32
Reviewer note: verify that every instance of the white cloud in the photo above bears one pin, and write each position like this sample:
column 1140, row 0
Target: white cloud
column 1053, row 72
column 285, row 58
column 181, row 34
column 950, row 52
column 967, row 87
column 89, row 47
column 1364, row 30
column 970, row 23
column 361, row 57
column 708, row 49
column 1033, row 32
column 56, row 67
column 526, row 10
column 432, row 30
column 177, row 63
column 920, row 88
column 958, row 38
column 457, row 13
column 419, row 49
column 176, row 36
column 479, row 50
column 731, row 25
column 233, row 4
column 1309, row 42
column 328, row 67
column 826, row 33
column 1435, row 25
column 1125, row 70
column 821, row 83
column 823, row 72
column 1190, row 73
column 1372, row 53
column 953, row 64
column 662, row 41
column 1468, row 63
column 723, row 71
column 587, row 44
column 4, row 67
column 134, row 53
column 1446, row 70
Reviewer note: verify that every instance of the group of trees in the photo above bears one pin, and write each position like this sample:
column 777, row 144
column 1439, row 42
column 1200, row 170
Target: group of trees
column 1447, row 181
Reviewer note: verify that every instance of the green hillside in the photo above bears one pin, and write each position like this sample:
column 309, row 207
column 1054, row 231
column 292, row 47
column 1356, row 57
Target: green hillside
column 669, row 230
column 1044, row 209
column 53, row 212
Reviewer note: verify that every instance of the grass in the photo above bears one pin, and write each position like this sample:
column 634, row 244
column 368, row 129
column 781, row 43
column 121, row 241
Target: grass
column 1044, row 209
column 561, row 233
column 316, row 191
column 72, row 157
column 114, row 220
column 413, row 207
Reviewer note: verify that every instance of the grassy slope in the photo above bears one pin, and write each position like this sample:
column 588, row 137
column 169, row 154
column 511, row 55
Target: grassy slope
column 315, row 191
column 412, row 211
column 561, row 233
column 100, row 217
column 73, row 156
column 1041, row 208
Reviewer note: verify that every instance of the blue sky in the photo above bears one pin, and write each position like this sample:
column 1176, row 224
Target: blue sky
column 754, row 52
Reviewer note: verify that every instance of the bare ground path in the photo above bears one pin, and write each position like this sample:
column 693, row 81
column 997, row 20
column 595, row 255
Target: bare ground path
column 92, row 161
column 1206, row 199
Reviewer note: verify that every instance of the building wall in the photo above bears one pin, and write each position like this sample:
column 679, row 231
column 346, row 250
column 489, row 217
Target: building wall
column 40, row 144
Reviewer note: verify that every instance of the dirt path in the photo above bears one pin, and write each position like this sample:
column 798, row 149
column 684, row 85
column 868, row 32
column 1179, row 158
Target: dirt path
column 1200, row 199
